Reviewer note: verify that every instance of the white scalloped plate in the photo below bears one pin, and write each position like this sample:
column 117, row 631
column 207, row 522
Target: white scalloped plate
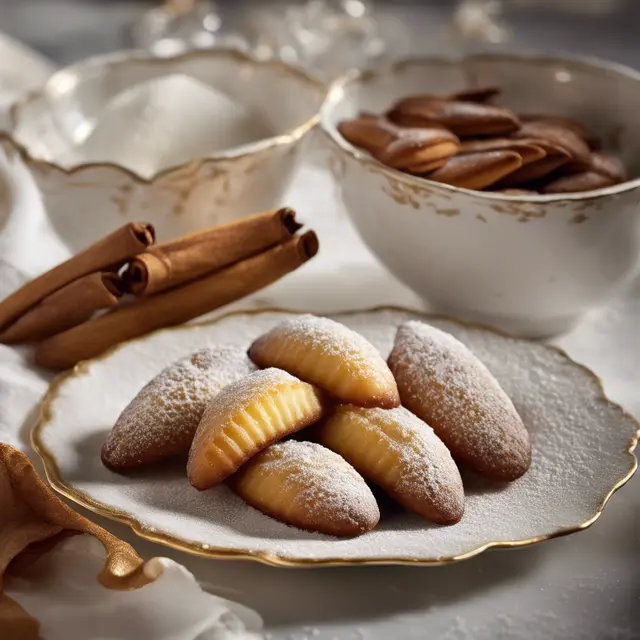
column 582, row 452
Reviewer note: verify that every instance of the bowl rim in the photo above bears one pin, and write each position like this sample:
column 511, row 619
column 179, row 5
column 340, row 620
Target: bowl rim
column 363, row 76
column 123, row 57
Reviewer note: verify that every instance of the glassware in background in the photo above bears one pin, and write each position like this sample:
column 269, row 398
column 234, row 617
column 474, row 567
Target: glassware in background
column 179, row 25
column 583, row 7
column 483, row 24
column 327, row 37
column 477, row 24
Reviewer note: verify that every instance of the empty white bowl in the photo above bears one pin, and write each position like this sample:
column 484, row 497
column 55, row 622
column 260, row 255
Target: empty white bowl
column 532, row 265
column 86, row 157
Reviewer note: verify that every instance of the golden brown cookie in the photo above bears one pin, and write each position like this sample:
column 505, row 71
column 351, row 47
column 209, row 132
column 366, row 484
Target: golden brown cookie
column 401, row 454
column 559, row 136
column 566, row 122
column 465, row 119
column 244, row 418
column 330, row 356
column 307, row 486
column 608, row 165
column 535, row 171
column 478, row 94
column 442, row 382
column 528, row 150
column 414, row 149
column 578, row 182
column 369, row 132
column 161, row 420
column 477, row 170
column 400, row 148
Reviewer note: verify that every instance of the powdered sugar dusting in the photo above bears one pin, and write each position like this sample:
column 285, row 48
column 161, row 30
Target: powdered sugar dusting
column 429, row 473
column 162, row 419
column 331, row 338
column 327, row 487
column 236, row 397
column 572, row 430
column 445, row 384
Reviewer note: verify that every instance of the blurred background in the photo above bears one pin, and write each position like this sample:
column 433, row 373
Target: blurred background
column 68, row 30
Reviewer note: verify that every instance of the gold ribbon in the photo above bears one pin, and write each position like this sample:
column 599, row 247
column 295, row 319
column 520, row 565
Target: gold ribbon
column 32, row 521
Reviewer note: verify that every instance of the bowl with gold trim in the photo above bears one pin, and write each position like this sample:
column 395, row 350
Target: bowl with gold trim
column 184, row 142
column 529, row 264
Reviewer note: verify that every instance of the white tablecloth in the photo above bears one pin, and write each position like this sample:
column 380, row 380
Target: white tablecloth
column 585, row 586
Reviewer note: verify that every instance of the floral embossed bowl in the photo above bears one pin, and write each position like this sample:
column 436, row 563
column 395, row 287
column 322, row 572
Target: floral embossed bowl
column 88, row 195
column 532, row 265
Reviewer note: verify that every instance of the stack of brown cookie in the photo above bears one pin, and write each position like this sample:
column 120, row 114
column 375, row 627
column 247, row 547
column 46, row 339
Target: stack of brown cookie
column 465, row 141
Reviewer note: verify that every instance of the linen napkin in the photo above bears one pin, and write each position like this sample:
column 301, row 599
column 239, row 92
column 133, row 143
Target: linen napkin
column 33, row 521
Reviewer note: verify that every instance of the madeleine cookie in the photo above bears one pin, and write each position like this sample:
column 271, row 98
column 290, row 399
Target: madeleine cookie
column 401, row 454
column 307, row 486
column 245, row 418
column 465, row 119
column 331, row 356
column 443, row 383
column 583, row 181
column 161, row 420
column 477, row 170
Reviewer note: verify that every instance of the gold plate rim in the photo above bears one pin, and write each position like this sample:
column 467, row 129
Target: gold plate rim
column 54, row 476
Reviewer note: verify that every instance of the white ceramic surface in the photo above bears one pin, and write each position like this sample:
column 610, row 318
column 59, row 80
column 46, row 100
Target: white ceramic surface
column 530, row 265
column 164, row 122
column 51, row 124
column 572, row 427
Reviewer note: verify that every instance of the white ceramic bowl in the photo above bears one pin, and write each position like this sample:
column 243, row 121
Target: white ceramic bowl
column 532, row 265
column 87, row 199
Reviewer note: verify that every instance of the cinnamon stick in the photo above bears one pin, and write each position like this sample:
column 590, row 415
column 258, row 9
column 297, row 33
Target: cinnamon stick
column 173, row 263
column 66, row 308
column 110, row 252
column 177, row 305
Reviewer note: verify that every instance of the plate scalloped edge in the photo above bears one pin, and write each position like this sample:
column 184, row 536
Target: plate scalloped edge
column 147, row 533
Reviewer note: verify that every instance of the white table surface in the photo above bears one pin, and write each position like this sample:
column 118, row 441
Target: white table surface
column 584, row 586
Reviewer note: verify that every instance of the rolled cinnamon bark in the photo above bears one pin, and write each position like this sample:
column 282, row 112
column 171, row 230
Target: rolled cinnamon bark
column 110, row 252
column 65, row 308
column 177, row 305
column 174, row 263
